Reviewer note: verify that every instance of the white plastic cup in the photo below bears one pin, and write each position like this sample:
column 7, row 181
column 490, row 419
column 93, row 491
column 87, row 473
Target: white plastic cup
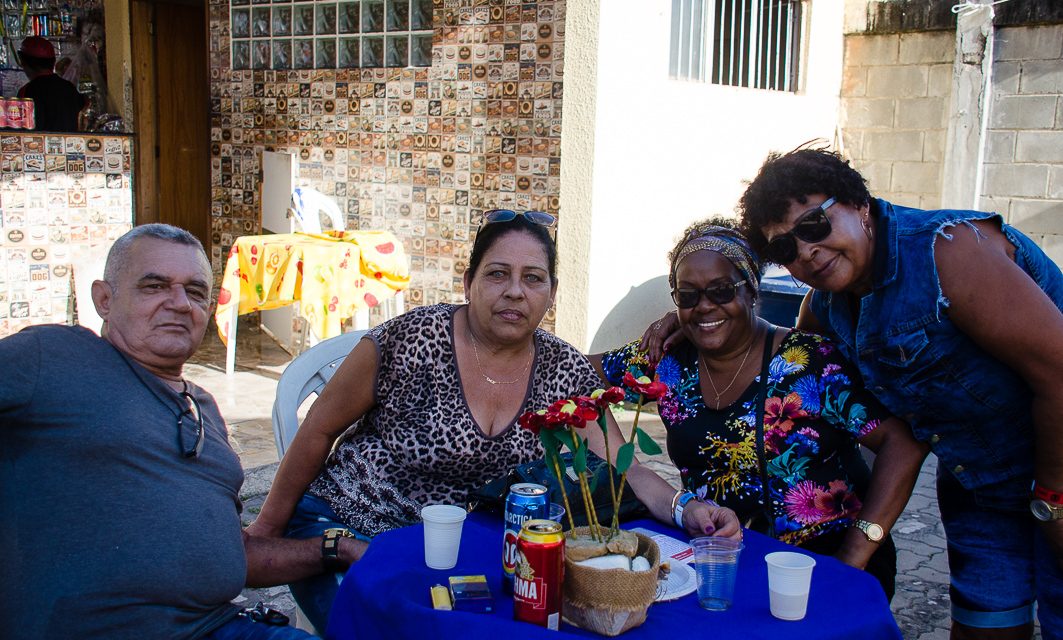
column 716, row 565
column 789, row 580
column 556, row 512
column 442, row 535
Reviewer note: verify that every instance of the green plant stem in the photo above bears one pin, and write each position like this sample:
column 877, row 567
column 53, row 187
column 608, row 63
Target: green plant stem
column 612, row 483
column 623, row 476
column 588, row 501
column 588, row 505
column 564, row 496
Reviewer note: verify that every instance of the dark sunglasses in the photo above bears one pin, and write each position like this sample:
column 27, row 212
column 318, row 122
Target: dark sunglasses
column 541, row 218
column 812, row 226
column 196, row 417
column 719, row 294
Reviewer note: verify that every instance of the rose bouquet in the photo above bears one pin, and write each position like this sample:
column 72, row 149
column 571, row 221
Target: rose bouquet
column 560, row 426
column 610, row 575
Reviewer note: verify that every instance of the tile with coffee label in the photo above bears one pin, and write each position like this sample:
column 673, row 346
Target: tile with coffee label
column 63, row 198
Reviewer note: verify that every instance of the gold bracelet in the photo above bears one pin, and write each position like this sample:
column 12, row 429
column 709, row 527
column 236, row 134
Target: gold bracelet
column 675, row 501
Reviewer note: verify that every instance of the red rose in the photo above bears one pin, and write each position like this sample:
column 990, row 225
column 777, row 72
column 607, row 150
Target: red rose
column 650, row 389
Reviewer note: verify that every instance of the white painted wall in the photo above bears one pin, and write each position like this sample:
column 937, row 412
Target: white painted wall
column 666, row 153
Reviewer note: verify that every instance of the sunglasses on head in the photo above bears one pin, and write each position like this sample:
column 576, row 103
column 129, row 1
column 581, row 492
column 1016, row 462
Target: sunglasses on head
column 541, row 218
column 688, row 298
column 812, row 226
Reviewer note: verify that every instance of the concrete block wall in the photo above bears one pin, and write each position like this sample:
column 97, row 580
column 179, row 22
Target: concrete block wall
column 894, row 103
column 1023, row 175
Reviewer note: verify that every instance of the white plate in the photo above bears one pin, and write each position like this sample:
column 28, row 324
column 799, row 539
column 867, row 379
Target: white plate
column 680, row 581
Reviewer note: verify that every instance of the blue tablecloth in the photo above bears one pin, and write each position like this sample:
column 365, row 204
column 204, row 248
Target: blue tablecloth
column 386, row 595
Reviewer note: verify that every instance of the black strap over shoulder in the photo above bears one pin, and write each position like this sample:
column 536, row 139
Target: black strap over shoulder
column 762, row 465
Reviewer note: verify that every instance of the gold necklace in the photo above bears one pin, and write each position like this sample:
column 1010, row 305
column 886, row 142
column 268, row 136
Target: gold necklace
column 708, row 375
column 489, row 379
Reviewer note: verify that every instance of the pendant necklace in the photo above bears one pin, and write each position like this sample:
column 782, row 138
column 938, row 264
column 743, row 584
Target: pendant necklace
column 708, row 375
column 489, row 379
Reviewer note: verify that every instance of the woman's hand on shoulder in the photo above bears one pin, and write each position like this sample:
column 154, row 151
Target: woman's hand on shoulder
column 704, row 519
column 660, row 336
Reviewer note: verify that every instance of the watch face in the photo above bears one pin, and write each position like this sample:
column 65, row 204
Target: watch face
column 874, row 532
column 1042, row 511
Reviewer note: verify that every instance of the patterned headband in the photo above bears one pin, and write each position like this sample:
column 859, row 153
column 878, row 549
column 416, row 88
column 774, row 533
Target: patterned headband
column 730, row 245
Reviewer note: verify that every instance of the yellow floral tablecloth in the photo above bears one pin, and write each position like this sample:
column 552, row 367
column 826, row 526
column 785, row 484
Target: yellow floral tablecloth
column 332, row 276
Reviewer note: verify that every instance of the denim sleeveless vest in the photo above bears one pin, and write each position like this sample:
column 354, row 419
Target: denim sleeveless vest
column 974, row 411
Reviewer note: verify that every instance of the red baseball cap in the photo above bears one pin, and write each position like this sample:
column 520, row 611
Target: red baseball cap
column 37, row 47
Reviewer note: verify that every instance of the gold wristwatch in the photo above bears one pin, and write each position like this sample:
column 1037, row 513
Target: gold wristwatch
column 330, row 549
column 874, row 532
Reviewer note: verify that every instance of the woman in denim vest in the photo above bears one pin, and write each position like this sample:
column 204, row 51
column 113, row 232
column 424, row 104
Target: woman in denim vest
column 954, row 320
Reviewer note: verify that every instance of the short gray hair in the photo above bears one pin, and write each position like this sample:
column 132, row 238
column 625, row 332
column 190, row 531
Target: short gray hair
column 119, row 253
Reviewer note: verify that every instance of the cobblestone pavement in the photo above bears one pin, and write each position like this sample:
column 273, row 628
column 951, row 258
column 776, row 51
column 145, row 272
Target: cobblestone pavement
column 920, row 606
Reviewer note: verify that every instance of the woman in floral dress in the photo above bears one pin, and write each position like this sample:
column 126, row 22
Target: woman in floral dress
column 800, row 476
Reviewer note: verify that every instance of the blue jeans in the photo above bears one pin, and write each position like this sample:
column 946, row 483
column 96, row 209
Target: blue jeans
column 999, row 561
column 241, row 628
column 315, row 595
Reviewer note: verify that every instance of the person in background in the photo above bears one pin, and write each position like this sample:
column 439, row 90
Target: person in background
column 119, row 492
column 56, row 102
column 81, row 66
column 434, row 396
column 797, row 475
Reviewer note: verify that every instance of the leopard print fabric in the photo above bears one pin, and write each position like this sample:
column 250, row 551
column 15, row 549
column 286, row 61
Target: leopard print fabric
column 420, row 445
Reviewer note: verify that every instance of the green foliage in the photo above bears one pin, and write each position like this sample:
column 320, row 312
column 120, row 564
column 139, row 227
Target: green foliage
column 647, row 444
column 579, row 458
column 624, row 456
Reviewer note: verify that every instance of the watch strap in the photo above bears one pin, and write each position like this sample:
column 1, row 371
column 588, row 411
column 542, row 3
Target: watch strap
column 681, row 501
column 1048, row 495
column 330, row 549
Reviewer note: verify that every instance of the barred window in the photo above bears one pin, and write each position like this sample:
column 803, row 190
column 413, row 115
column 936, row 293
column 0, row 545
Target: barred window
column 739, row 43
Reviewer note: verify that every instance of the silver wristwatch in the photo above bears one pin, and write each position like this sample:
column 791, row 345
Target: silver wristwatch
column 1046, row 511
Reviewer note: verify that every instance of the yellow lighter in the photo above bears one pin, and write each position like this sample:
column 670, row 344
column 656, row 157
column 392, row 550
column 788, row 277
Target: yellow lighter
column 441, row 598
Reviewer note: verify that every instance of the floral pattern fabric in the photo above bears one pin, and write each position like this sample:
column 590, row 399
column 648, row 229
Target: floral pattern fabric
column 814, row 413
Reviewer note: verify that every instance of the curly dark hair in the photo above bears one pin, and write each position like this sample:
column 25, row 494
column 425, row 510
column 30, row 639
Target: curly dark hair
column 794, row 176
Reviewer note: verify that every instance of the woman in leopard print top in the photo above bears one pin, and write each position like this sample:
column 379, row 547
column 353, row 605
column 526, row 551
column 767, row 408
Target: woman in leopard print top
column 426, row 407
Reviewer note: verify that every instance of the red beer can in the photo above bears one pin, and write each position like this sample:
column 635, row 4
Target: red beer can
column 13, row 108
column 29, row 114
column 539, row 574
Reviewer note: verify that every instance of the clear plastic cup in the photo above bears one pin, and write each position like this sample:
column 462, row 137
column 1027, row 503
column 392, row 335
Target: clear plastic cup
column 556, row 512
column 442, row 534
column 716, row 563
column 789, row 580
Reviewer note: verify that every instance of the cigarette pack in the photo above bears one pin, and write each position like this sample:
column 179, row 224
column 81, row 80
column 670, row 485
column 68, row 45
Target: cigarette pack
column 470, row 593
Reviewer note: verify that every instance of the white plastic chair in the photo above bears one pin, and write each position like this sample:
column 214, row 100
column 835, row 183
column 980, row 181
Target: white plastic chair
column 307, row 203
column 307, row 374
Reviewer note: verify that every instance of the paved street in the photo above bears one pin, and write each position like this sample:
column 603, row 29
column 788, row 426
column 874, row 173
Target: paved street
column 921, row 605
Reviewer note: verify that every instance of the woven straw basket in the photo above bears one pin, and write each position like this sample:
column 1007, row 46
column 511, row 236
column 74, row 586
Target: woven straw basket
column 611, row 601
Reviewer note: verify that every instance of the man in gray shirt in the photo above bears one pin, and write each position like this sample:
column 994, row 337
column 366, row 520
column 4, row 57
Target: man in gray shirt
column 119, row 492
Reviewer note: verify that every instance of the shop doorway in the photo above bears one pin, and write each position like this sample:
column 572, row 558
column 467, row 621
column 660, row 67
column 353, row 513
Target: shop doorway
column 172, row 114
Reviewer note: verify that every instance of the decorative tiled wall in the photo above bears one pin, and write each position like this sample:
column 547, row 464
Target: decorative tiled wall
column 419, row 152
column 63, row 199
